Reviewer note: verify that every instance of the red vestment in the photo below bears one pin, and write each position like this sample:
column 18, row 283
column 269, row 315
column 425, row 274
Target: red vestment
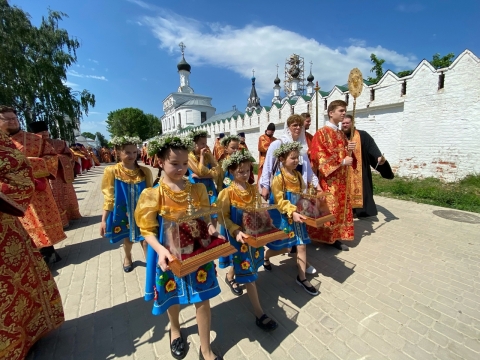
column 62, row 186
column 309, row 138
column 42, row 218
column 218, row 150
column 263, row 144
column 31, row 305
column 329, row 150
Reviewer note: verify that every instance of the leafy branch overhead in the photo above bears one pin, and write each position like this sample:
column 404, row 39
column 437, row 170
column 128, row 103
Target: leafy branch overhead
column 34, row 62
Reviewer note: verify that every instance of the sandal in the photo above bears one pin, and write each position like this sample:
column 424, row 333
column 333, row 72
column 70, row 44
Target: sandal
column 268, row 266
column 269, row 326
column 309, row 289
column 236, row 290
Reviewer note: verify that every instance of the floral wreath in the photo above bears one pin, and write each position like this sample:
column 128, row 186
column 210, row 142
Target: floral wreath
column 198, row 134
column 228, row 139
column 162, row 142
column 287, row 148
column 237, row 158
column 125, row 140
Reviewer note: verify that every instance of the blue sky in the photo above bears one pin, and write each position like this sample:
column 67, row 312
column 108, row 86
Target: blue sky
column 129, row 48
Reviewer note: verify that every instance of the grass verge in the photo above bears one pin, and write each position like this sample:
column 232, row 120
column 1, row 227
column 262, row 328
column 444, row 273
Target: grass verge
column 461, row 195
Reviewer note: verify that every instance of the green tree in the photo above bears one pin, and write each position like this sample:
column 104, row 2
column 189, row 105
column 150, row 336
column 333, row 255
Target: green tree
column 88, row 135
column 34, row 63
column 133, row 122
column 440, row 62
column 404, row 73
column 377, row 69
column 101, row 138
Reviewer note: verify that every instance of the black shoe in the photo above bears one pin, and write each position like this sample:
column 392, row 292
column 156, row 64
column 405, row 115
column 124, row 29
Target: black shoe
column 340, row 246
column 267, row 267
column 202, row 358
column 177, row 347
column 293, row 250
column 127, row 268
column 269, row 326
column 309, row 289
column 237, row 291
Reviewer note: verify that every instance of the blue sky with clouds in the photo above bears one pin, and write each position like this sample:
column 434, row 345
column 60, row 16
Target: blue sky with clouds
column 130, row 48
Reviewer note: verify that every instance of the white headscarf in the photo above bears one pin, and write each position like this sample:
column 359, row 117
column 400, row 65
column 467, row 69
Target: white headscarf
column 286, row 137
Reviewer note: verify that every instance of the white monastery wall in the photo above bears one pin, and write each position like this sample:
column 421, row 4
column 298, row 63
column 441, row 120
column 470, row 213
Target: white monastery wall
column 425, row 133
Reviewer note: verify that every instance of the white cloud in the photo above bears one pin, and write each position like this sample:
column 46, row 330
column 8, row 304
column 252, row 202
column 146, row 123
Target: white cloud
column 77, row 74
column 261, row 47
column 94, row 113
column 70, row 84
column 410, row 8
column 94, row 61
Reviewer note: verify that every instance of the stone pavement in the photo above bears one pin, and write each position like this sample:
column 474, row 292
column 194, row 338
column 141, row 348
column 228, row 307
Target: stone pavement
column 409, row 288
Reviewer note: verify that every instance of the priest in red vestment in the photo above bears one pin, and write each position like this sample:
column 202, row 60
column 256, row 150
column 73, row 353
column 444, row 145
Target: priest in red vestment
column 330, row 151
column 62, row 186
column 309, row 138
column 218, row 149
column 263, row 144
column 31, row 305
column 42, row 220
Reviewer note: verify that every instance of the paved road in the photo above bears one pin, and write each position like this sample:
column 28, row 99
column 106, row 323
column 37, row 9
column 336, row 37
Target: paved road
column 408, row 288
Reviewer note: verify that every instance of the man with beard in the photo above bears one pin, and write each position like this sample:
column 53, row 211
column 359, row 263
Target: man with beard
column 330, row 150
column 62, row 185
column 42, row 220
column 263, row 143
column 360, row 179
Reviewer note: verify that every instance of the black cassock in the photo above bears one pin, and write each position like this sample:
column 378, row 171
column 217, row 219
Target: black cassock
column 370, row 155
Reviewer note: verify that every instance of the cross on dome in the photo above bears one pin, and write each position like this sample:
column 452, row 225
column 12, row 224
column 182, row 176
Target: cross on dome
column 182, row 47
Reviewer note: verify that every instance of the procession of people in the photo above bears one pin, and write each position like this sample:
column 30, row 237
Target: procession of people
column 138, row 208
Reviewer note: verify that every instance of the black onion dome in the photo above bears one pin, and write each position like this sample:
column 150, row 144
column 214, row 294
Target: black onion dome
column 183, row 65
column 276, row 81
column 310, row 77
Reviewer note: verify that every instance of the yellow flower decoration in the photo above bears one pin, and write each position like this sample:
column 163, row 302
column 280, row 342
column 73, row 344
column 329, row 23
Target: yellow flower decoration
column 201, row 276
column 210, row 193
column 291, row 234
column 257, row 254
column 117, row 229
column 290, row 221
column 244, row 248
column 245, row 265
column 170, row 285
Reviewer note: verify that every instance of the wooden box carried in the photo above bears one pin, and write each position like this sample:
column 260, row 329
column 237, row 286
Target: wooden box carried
column 186, row 237
column 313, row 205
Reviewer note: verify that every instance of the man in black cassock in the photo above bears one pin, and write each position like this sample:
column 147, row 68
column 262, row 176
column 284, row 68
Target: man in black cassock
column 371, row 157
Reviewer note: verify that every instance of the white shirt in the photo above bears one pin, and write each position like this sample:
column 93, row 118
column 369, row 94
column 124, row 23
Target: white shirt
column 307, row 173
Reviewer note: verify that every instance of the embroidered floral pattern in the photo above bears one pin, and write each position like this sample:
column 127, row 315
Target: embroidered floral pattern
column 117, row 229
column 245, row 265
column 291, row 234
column 257, row 254
column 244, row 248
column 170, row 285
column 210, row 193
column 290, row 221
column 201, row 276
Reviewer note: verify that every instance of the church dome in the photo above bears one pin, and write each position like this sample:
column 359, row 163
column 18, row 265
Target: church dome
column 183, row 65
column 310, row 77
column 276, row 81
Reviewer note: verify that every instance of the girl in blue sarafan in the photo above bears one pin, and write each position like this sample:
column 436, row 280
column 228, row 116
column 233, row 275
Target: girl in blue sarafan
column 231, row 144
column 246, row 261
column 121, row 187
column 287, row 181
column 166, row 289
column 202, row 167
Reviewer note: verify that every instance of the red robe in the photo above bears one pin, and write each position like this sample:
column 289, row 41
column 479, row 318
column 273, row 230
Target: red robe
column 42, row 219
column 263, row 144
column 31, row 305
column 309, row 138
column 218, row 150
column 329, row 150
column 62, row 186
